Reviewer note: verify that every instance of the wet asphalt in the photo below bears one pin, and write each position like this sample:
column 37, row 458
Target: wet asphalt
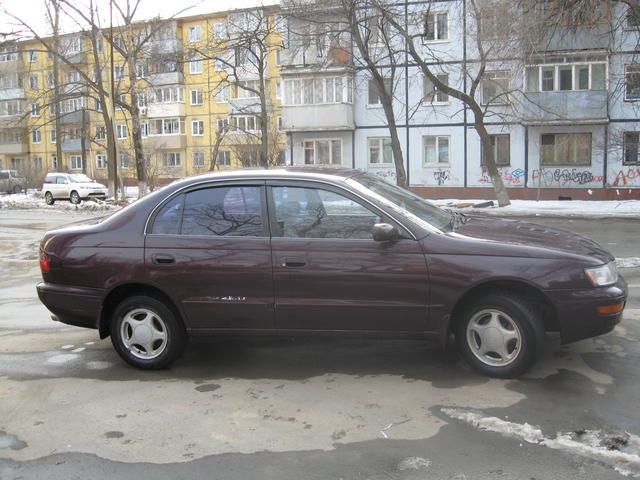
column 300, row 408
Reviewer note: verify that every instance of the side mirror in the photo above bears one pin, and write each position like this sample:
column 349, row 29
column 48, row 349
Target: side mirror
column 383, row 232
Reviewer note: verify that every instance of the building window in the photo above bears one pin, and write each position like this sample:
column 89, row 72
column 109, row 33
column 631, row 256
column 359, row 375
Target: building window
column 632, row 82
column 495, row 88
column 380, row 151
column 323, row 152
column 436, row 151
column 118, row 72
column 633, row 17
column 631, row 151
column 195, row 65
column 142, row 70
column 223, row 124
column 124, row 158
column 98, row 103
column 36, row 136
column 198, row 159
column 280, row 122
column 168, row 95
column 166, row 126
column 101, row 133
column 33, row 55
column 318, row 90
column 375, row 97
column 222, row 94
column 54, row 162
column 50, row 80
column 224, row 158
column 249, row 89
column 197, row 128
column 76, row 162
column 33, row 82
column 436, row 26
column 430, row 92
column 245, row 123
column 195, row 33
column 574, row 74
column 171, row 159
column 122, row 131
column 35, row 110
column 220, row 31
column 500, row 150
column 197, row 97
column 101, row 161
column 565, row 149
column 144, row 129
column 53, row 136
column 37, row 163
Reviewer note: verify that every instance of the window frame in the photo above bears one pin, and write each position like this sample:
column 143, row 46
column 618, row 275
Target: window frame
column 314, row 141
column 380, row 140
column 436, row 32
column 495, row 150
column 379, row 104
column 544, row 164
column 426, row 164
column 73, row 158
column 624, row 148
column 197, row 128
column 199, row 96
column 436, row 92
column 636, row 66
column 205, row 185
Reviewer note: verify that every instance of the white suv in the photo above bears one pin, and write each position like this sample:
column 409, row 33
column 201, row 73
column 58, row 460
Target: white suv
column 71, row 186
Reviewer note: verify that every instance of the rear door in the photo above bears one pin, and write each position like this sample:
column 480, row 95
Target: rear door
column 329, row 273
column 209, row 249
column 62, row 187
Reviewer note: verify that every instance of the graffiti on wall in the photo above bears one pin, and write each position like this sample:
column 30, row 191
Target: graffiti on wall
column 388, row 175
column 441, row 176
column 564, row 177
column 509, row 177
column 629, row 176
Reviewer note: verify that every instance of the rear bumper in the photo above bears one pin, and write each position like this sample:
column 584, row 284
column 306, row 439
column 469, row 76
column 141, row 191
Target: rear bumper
column 72, row 305
column 577, row 311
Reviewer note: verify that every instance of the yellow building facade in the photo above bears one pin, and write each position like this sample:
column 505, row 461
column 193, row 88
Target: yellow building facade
column 194, row 112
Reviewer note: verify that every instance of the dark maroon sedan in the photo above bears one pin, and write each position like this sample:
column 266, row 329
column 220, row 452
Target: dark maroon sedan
column 313, row 250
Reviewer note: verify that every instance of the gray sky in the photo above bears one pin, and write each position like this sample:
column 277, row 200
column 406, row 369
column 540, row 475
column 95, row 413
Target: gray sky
column 32, row 11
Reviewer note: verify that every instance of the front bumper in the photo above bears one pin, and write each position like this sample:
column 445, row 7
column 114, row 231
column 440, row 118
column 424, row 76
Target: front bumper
column 93, row 193
column 76, row 306
column 577, row 310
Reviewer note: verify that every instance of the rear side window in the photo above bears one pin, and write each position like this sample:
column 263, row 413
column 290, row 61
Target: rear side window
column 217, row 211
column 4, row 175
column 50, row 179
column 62, row 180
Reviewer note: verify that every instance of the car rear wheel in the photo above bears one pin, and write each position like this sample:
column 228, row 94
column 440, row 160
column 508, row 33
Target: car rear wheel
column 17, row 189
column 499, row 335
column 48, row 198
column 146, row 333
column 74, row 197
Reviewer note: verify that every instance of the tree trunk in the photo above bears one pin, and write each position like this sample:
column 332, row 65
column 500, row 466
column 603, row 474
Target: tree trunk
column 398, row 157
column 214, row 151
column 264, row 121
column 136, row 133
column 492, row 168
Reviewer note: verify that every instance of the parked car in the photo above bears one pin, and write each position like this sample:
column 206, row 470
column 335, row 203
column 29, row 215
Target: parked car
column 73, row 187
column 301, row 250
column 12, row 182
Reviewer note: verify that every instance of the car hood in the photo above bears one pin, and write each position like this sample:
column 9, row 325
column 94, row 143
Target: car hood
column 532, row 235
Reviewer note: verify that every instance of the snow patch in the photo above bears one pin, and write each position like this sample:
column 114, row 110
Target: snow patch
column 413, row 463
column 621, row 452
column 78, row 350
column 67, row 347
column 62, row 358
column 98, row 365
column 628, row 262
column 35, row 200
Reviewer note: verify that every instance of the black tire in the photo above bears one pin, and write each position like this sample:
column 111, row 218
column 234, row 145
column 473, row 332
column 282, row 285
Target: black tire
column 176, row 335
column 74, row 197
column 17, row 189
column 529, row 326
column 48, row 198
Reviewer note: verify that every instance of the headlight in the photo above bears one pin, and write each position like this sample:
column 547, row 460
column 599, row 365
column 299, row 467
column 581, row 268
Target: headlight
column 602, row 275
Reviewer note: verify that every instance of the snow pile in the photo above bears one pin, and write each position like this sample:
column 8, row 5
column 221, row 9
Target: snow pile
column 628, row 262
column 35, row 200
column 552, row 208
column 621, row 452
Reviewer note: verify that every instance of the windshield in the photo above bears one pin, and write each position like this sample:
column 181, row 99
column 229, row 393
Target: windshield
column 403, row 202
column 80, row 179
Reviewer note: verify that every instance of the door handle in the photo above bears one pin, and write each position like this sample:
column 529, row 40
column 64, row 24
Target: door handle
column 163, row 259
column 292, row 262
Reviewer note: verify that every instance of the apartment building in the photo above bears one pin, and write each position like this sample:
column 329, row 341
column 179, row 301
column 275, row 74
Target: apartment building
column 566, row 123
column 189, row 111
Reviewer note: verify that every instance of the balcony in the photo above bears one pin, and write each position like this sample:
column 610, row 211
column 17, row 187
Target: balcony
column 165, row 142
column 563, row 108
column 164, row 47
column 330, row 116
column 559, row 38
column 11, row 93
column 76, row 58
column 169, row 78
column 14, row 148
column 71, row 145
column 71, row 118
column 12, row 121
column 164, row 110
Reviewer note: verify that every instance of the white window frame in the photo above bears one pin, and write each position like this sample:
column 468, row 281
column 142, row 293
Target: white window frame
column 314, row 142
column 436, row 92
column 199, row 96
column 438, row 138
column 567, row 163
column 195, row 33
column 101, row 161
column 33, row 56
column 36, row 136
column 574, row 81
column 53, row 136
column 627, row 67
column 197, row 159
column 173, row 163
column 625, row 143
column 35, row 110
column 77, row 159
column 494, row 149
column 436, row 34
column 33, row 82
column 492, row 76
column 197, row 128
column 226, row 154
column 380, row 145
column 196, row 66
column 122, row 131
column 379, row 104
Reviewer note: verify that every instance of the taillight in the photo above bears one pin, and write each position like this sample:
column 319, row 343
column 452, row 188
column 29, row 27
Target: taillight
column 45, row 262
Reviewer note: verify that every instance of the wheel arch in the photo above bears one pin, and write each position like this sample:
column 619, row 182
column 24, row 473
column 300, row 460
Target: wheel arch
column 517, row 287
column 122, row 291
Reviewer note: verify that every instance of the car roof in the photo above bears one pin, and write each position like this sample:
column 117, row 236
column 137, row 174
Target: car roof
column 297, row 173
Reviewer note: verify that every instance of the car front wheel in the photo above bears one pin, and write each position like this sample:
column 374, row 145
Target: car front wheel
column 499, row 335
column 75, row 198
column 146, row 333
column 48, row 198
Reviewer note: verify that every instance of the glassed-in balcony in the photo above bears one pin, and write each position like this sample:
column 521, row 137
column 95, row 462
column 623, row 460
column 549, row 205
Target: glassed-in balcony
column 331, row 116
column 588, row 106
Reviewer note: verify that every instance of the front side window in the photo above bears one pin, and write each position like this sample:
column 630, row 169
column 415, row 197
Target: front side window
column 435, row 150
column 221, row 211
column 500, row 150
column 314, row 213
column 566, row 149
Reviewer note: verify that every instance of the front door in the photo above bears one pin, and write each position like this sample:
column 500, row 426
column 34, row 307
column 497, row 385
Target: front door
column 208, row 248
column 329, row 273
